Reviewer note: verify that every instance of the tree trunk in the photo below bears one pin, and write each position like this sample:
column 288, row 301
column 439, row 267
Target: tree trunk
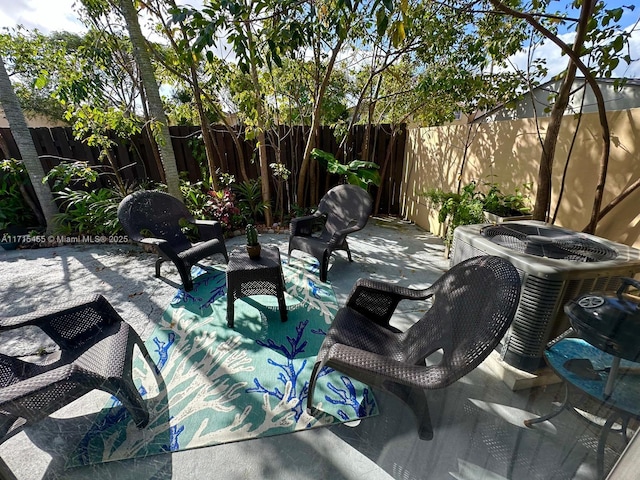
column 156, row 108
column 315, row 124
column 262, row 141
column 574, row 55
column 27, row 149
column 613, row 203
column 543, row 194
column 206, row 131
column 207, row 138
column 385, row 166
column 149, row 133
column 234, row 133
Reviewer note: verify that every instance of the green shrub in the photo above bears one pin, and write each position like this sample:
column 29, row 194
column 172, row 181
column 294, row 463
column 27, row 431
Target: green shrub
column 468, row 207
column 90, row 212
column 506, row 205
column 195, row 198
column 356, row 172
column 465, row 208
column 14, row 208
column 249, row 200
column 94, row 212
column 221, row 206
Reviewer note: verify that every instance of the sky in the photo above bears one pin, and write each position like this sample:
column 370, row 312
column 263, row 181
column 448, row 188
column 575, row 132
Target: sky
column 58, row 15
column 45, row 15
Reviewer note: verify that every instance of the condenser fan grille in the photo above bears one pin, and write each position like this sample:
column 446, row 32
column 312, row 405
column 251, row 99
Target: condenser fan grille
column 547, row 242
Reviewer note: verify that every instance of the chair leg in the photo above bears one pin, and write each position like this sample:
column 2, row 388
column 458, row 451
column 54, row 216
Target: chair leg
column 159, row 262
column 312, row 386
column 124, row 388
column 185, row 276
column 8, row 427
column 126, row 391
column 348, row 250
column 147, row 356
column 324, row 266
column 416, row 400
column 5, row 471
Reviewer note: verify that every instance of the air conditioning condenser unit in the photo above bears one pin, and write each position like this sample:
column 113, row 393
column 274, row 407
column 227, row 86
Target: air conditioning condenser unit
column 556, row 265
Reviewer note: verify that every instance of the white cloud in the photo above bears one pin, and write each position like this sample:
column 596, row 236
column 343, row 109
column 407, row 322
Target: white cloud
column 633, row 70
column 59, row 15
column 556, row 62
column 44, row 15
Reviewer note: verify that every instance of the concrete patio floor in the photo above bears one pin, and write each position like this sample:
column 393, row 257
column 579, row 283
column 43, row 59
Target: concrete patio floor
column 478, row 430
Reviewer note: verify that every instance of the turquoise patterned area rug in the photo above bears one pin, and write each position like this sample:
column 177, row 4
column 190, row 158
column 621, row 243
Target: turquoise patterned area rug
column 226, row 385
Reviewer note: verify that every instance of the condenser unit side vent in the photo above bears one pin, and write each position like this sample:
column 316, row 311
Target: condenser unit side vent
column 537, row 307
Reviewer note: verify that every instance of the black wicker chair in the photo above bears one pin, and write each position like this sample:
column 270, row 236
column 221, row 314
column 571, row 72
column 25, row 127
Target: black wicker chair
column 342, row 210
column 154, row 218
column 96, row 352
column 472, row 305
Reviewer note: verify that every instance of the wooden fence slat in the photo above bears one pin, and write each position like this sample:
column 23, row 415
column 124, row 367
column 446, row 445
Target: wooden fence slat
column 59, row 142
column 9, row 147
column 49, row 155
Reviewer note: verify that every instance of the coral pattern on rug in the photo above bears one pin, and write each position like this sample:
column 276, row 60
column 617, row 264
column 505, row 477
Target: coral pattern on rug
column 224, row 385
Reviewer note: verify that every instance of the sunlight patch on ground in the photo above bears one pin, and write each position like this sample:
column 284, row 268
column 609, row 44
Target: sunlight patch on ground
column 471, row 471
column 514, row 416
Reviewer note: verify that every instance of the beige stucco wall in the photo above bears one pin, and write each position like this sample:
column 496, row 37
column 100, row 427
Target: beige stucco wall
column 33, row 121
column 508, row 153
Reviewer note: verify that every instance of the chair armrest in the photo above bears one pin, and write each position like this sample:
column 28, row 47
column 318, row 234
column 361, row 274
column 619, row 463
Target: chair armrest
column 303, row 226
column 338, row 236
column 34, row 385
column 378, row 300
column 377, row 369
column 152, row 241
column 44, row 315
column 164, row 248
column 209, row 229
column 69, row 324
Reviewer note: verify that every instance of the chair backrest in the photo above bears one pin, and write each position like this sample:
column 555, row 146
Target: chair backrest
column 154, row 214
column 473, row 305
column 345, row 205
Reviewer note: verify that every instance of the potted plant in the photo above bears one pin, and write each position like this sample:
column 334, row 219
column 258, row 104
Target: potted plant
column 501, row 207
column 454, row 209
column 253, row 246
column 472, row 206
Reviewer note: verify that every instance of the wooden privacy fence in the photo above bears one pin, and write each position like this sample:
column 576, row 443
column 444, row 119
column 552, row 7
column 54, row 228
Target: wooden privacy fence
column 137, row 162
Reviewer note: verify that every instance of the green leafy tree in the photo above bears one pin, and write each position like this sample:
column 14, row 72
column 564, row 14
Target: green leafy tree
column 189, row 68
column 33, row 60
column 259, row 33
column 97, row 13
column 331, row 23
column 152, row 94
column 598, row 47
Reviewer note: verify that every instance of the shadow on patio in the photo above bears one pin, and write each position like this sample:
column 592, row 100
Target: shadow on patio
column 478, row 421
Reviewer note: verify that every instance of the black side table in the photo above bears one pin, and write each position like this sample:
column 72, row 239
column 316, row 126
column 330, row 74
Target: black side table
column 246, row 277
